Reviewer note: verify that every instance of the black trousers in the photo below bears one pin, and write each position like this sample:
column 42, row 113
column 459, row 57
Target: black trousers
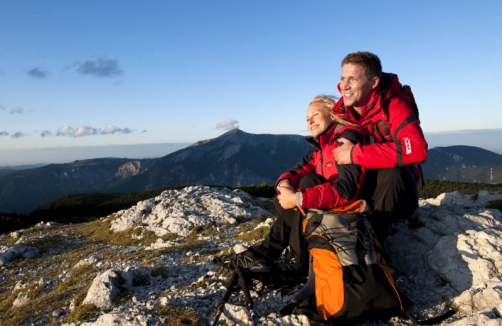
column 391, row 194
column 287, row 229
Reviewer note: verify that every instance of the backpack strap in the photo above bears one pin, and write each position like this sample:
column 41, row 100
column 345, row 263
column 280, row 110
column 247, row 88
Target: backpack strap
column 421, row 174
column 382, row 128
column 306, row 307
column 405, row 301
column 430, row 321
column 358, row 206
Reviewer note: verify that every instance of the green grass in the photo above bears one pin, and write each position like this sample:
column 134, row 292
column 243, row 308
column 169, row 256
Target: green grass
column 169, row 237
column 254, row 234
column 434, row 188
column 82, row 313
column 176, row 316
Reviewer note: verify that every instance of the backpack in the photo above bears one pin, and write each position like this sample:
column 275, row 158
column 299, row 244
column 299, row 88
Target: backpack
column 352, row 280
column 382, row 128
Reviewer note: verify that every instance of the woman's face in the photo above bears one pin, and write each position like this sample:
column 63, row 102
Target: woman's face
column 318, row 119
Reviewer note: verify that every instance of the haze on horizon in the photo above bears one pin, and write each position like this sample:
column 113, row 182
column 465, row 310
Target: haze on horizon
column 30, row 156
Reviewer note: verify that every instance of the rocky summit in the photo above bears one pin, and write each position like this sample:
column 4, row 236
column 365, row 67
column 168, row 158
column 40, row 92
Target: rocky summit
column 152, row 263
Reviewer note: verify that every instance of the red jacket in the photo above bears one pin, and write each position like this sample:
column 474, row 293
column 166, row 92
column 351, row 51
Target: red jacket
column 407, row 146
column 344, row 181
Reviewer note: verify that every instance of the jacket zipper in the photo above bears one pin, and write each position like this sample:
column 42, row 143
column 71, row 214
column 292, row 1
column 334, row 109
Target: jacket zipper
column 322, row 163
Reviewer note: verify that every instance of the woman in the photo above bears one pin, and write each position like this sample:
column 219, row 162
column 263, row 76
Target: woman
column 317, row 181
column 338, row 185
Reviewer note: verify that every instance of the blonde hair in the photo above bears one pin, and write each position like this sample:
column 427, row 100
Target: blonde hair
column 328, row 102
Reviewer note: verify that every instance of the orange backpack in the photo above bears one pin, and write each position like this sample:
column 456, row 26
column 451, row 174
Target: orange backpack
column 352, row 280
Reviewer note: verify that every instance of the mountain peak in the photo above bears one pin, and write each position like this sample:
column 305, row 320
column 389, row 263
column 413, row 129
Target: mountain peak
column 233, row 131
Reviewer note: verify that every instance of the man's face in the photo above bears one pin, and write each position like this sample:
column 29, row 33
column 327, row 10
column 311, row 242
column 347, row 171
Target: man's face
column 318, row 119
column 356, row 88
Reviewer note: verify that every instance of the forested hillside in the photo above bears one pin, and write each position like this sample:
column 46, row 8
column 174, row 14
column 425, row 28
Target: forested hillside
column 81, row 208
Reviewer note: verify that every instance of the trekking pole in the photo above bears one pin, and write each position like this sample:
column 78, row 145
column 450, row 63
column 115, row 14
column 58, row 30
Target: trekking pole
column 247, row 295
column 226, row 296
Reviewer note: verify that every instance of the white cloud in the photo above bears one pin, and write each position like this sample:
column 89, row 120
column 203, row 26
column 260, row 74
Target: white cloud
column 17, row 134
column 16, row 109
column 84, row 131
column 76, row 131
column 45, row 133
column 4, row 133
column 80, row 131
column 228, row 124
column 65, row 131
column 111, row 129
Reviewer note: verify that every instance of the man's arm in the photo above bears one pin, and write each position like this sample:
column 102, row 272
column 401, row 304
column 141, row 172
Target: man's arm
column 342, row 189
column 408, row 145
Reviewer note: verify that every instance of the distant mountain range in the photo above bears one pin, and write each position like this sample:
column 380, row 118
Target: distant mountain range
column 463, row 164
column 234, row 159
column 486, row 138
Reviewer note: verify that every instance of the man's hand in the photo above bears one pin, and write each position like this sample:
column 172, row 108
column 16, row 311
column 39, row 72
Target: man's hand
column 287, row 198
column 285, row 184
column 342, row 152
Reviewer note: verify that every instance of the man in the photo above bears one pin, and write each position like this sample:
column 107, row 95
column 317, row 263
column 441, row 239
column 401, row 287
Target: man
column 391, row 183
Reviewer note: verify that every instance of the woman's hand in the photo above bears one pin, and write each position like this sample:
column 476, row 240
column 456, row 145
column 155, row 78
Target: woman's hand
column 287, row 198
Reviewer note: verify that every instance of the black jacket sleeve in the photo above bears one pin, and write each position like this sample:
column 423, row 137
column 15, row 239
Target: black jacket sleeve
column 350, row 176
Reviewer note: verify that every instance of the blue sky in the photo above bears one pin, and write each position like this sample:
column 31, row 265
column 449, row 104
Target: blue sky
column 88, row 74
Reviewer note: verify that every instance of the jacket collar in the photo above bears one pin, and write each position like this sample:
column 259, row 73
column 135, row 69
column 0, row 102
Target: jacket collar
column 323, row 138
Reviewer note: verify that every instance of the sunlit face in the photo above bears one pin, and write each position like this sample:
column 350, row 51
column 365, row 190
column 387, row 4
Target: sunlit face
column 356, row 88
column 318, row 119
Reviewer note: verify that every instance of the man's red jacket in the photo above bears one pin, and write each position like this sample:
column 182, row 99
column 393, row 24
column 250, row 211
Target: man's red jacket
column 407, row 145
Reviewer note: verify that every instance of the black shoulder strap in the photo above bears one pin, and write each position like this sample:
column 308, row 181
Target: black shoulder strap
column 308, row 308
column 430, row 321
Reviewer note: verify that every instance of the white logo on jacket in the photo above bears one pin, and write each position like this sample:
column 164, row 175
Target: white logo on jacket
column 407, row 143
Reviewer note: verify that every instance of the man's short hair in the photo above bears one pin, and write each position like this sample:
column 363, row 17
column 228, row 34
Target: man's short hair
column 369, row 61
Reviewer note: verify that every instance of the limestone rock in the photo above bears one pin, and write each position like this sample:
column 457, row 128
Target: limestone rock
column 106, row 286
